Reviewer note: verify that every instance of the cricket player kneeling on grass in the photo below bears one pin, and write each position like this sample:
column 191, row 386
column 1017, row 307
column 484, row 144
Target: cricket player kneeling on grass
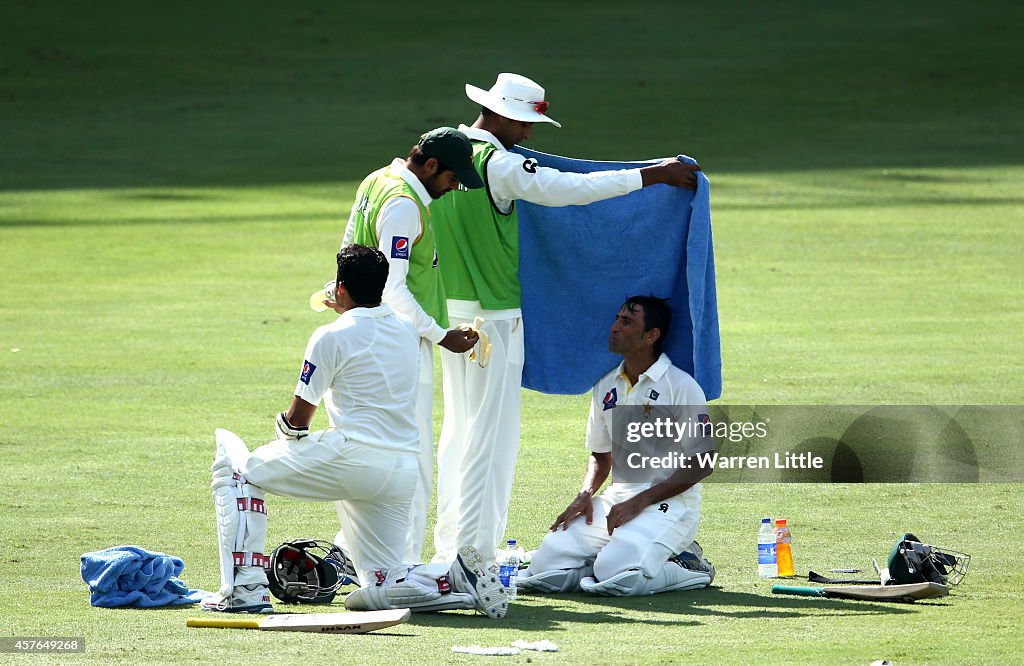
column 638, row 536
column 364, row 366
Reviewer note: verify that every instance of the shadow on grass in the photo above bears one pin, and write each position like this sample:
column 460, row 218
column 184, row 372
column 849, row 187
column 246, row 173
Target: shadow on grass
column 172, row 219
column 871, row 201
column 541, row 617
column 559, row 613
column 544, row 613
column 146, row 98
column 715, row 601
column 156, row 195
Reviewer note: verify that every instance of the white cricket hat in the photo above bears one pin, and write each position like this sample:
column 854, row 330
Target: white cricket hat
column 515, row 97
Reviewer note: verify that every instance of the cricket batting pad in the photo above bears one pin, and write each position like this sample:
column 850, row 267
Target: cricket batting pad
column 241, row 517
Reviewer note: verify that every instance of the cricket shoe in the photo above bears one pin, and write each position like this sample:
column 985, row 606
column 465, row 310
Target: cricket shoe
column 693, row 559
column 243, row 599
column 470, row 574
column 344, row 564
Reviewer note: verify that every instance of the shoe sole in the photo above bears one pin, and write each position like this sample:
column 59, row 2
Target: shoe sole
column 245, row 610
column 491, row 599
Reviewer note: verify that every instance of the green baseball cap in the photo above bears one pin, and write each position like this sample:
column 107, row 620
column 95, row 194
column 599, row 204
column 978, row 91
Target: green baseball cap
column 452, row 148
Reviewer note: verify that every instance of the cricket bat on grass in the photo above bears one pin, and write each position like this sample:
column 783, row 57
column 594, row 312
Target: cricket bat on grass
column 321, row 623
column 906, row 593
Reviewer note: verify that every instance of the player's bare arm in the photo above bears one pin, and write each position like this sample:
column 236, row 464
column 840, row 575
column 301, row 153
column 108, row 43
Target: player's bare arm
column 294, row 424
column 671, row 172
column 598, row 468
column 300, row 413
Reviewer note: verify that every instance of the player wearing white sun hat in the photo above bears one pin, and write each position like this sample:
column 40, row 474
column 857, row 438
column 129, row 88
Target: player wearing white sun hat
column 477, row 236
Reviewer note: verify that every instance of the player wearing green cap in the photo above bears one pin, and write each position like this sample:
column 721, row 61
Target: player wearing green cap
column 392, row 213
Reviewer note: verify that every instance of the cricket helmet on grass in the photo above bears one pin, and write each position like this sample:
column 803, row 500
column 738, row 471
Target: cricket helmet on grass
column 308, row 571
column 911, row 561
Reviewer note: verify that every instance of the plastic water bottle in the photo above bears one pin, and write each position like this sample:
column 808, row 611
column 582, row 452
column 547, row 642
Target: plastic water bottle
column 784, row 549
column 767, row 565
column 508, row 570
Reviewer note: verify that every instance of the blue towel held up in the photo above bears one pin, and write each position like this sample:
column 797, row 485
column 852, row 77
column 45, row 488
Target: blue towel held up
column 577, row 264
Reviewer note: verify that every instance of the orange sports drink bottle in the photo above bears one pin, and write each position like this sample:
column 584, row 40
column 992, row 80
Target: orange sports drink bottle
column 784, row 549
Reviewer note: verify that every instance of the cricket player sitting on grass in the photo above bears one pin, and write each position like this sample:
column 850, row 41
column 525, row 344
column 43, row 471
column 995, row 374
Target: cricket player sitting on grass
column 637, row 536
column 364, row 366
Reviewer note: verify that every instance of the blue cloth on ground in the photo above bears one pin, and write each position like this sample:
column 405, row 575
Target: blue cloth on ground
column 131, row 576
column 577, row 264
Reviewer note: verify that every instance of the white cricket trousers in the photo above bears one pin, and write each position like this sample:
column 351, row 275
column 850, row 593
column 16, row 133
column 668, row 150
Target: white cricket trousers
column 479, row 443
column 659, row 532
column 416, row 531
column 373, row 487
column 425, row 485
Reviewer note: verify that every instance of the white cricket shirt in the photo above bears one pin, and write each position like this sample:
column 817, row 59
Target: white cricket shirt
column 365, row 367
column 660, row 387
column 511, row 176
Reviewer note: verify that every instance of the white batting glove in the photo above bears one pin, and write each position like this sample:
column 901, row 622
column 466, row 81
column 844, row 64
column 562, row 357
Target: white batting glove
column 286, row 430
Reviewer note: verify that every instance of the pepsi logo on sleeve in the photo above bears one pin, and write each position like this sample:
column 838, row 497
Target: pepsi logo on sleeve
column 610, row 398
column 399, row 247
column 307, row 372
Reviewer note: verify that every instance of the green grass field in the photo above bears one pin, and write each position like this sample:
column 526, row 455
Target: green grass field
column 175, row 179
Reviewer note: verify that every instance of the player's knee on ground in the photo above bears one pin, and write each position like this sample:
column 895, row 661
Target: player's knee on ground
column 410, row 594
column 554, row 581
column 688, row 570
column 624, row 552
column 560, row 550
column 671, row 577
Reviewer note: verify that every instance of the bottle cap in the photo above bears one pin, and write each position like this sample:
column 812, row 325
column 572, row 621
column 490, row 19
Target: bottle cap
column 766, row 520
column 781, row 522
column 511, row 542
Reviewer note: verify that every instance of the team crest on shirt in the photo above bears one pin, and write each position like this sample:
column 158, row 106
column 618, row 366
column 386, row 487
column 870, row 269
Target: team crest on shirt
column 399, row 247
column 307, row 372
column 653, row 395
column 610, row 398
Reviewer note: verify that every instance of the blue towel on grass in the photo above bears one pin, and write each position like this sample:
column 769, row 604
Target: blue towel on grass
column 131, row 576
column 577, row 264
